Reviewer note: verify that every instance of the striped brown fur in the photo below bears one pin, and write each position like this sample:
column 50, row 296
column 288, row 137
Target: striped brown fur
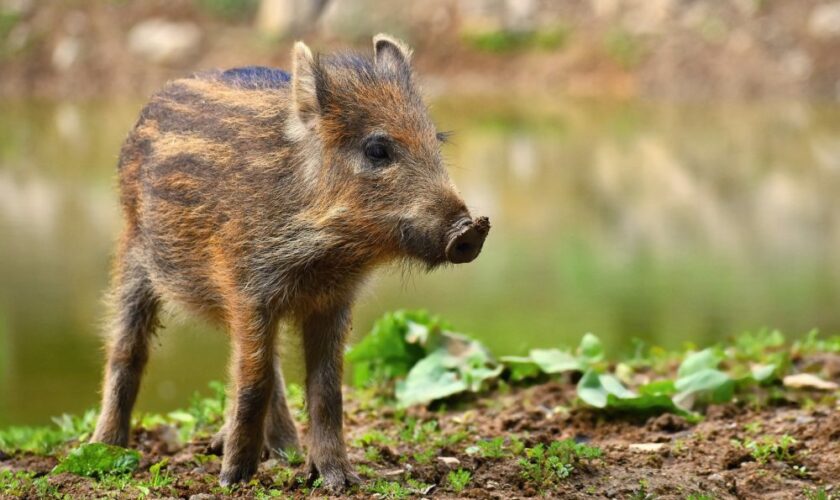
column 251, row 197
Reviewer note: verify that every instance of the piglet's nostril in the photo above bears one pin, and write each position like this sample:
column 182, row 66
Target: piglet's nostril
column 465, row 244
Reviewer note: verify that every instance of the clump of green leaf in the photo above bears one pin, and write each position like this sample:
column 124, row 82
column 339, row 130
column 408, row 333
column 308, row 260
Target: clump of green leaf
column 44, row 440
column 15, row 483
column 389, row 489
column 492, row 448
column 98, row 460
column 429, row 361
column 820, row 493
column 202, row 418
column 458, row 479
column 700, row 380
column 384, row 354
column 769, row 448
column 544, row 467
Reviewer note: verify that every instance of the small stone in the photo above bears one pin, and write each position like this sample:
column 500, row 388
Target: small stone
column 809, row 381
column 203, row 496
column 451, row 462
column 646, row 447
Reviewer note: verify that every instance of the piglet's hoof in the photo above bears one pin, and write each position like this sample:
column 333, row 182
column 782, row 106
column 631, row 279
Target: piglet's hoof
column 237, row 474
column 336, row 475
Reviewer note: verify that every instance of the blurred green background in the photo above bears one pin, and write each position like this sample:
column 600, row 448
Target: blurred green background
column 636, row 189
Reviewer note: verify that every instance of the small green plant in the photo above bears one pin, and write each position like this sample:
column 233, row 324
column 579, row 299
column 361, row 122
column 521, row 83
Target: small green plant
column 818, row 494
column 99, row 460
column 424, row 456
column 459, row 479
column 753, row 427
column 159, row 475
column 284, row 477
column 293, row 456
column 418, row 487
column 642, row 492
column 372, row 454
column 365, row 470
column 769, row 448
column 373, row 438
column 45, row 440
column 546, row 466
column 389, row 489
column 801, row 471
column 15, row 483
column 517, row 447
column 492, row 448
column 451, row 439
column 201, row 418
column 200, row 459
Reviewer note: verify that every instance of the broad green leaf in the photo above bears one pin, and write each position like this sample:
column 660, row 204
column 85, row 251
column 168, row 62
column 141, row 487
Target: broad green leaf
column 591, row 390
column 705, row 384
column 606, row 391
column 182, row 417
column 455, row 363
column 98, row 460
column 429, row 380
column 385, row 354
column 591, row 350
column 697, row 361
column 658, row 387
column 594, row 388
column 704, row 380
column 555, row 360
column 645, row 403
column 762, row 373
column 614, row 386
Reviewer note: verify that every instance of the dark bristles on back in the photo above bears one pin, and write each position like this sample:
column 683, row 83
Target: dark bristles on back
column 257, row 77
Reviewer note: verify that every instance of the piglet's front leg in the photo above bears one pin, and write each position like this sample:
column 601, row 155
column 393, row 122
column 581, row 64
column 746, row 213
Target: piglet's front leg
column 323, row 341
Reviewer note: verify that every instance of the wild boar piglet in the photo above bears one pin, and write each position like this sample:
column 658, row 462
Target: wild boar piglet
column 253, row 196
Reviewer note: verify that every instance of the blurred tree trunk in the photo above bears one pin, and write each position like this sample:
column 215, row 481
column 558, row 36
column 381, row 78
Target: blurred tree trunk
column 285, row 18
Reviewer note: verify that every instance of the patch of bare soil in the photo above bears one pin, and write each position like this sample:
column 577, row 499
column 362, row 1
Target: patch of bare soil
column 661, row 456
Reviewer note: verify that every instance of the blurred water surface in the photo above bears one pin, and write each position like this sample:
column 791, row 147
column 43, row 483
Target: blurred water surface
column 668, row 223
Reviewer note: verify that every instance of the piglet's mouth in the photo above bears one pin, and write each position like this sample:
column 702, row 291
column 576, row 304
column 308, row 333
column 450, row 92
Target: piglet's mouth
column 466, row 240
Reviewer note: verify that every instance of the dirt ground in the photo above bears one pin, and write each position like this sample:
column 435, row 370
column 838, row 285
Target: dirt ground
column 678, row 459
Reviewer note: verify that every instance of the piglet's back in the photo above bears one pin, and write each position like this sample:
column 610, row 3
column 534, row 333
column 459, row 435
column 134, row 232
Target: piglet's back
column 200, row 137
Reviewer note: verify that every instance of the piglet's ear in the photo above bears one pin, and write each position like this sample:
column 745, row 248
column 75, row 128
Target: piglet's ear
column 390, row 51
column 304, row 86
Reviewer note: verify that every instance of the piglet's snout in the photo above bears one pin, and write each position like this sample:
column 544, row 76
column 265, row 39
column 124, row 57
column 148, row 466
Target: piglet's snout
column 466, row 240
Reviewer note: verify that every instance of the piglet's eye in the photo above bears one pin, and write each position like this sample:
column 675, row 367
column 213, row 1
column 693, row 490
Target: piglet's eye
column 377, row 151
